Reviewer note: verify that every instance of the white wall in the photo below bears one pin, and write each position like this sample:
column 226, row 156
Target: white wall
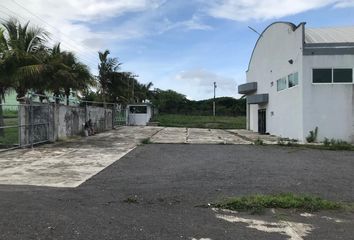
column 139, row 119
column 328, row 106
column 278, row 44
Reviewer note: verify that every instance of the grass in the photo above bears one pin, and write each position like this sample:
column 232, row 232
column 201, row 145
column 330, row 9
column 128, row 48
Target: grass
column 219, row 122
column 10, row 113
column 131, row 200
column 145, row 141
column 257, row 203
column 258, row 141
column 10, row 135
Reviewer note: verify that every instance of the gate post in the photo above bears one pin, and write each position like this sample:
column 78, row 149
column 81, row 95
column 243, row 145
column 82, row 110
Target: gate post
column 31, row 122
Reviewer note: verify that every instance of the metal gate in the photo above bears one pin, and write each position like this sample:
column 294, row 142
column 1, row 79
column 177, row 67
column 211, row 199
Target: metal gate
column 119, row 118
column 24, row 125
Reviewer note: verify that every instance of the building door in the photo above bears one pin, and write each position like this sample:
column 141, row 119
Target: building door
column 262, row 121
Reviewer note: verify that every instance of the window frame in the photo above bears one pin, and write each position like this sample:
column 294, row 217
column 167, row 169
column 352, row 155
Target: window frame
column 332, row 75
column 322, row 82
column 289, row 81
column 342, row 82
column 286, row 83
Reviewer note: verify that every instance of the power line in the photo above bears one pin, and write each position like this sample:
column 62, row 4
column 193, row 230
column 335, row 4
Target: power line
column 41, row 19
column 81, row 55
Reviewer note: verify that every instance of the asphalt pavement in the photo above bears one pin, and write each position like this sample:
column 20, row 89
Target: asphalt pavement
column 155, row 192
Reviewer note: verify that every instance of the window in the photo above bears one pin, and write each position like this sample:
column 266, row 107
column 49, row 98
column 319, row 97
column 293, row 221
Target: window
column 138, row 109
column 281, row 84
column 293, row 79
column 322, row 75
column 342, row 75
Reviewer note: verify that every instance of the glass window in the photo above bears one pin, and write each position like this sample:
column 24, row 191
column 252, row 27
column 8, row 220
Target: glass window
column 322, row 75
column 281, row 84
column 293, row 79
column 343, row 75
column 138, row 109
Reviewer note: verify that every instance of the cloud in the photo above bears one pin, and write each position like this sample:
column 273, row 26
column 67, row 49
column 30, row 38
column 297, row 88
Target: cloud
column 199, row 83
column 344, row 4
column 193, row 23
column 70, row 22
column 244, row 10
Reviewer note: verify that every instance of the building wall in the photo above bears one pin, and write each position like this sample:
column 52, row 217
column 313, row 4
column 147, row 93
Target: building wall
column 138, row 119
column 328, row 106
column 269, row 62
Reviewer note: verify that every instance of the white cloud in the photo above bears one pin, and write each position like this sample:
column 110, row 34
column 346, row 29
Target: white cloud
column 195, row 24
column 67, row 21
column 244, row 10
column 345, row 3
column 199, row 83
column 192, row 24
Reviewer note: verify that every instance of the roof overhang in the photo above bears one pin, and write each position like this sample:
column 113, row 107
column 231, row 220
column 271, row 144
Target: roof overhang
column 257, row 98
column 247, row 88
column 328, row 49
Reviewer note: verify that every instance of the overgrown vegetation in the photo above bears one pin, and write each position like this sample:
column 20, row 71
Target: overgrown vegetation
column 218, row 122
column 312, row 137
column 146, row 141
column 9, row 136
column 171, row 102
column 258, row 141
column 337, row 145
column 257, row 203
column 287, row 142
column 131, row 200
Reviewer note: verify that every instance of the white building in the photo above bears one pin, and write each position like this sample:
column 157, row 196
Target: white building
column 139, row 114
column 301, row 78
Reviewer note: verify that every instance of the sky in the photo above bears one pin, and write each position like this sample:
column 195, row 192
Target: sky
column 183, row 45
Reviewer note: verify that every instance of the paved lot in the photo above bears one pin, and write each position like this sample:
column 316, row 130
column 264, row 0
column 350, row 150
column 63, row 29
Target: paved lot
column 152, row 193
column 70, row 163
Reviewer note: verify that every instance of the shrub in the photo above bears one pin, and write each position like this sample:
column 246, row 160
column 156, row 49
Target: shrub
column 334, row 144
column 312, row 137
column 258, row 142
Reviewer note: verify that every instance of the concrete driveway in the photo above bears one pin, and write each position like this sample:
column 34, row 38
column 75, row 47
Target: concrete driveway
column 154, row 192
column 72, row 162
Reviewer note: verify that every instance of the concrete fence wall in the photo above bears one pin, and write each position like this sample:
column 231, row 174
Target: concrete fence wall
column 52, row 122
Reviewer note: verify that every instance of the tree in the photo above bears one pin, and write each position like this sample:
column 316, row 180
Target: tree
column 4, row 82
column 64, row 73
column 118, row 87
column 21, row 61
column 168, row 101
column 106, row 69
column 143, row 91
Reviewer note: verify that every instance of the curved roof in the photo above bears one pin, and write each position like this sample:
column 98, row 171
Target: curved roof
column 292, row 25
column 330, row 35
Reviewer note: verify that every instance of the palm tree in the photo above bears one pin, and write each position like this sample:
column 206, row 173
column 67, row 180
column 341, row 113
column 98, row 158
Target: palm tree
column 106, row 69
column 65, row 73
column 143, row 92
column 4, row 83
column 21, row 61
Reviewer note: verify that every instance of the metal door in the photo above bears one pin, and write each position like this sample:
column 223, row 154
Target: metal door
column 262, row 121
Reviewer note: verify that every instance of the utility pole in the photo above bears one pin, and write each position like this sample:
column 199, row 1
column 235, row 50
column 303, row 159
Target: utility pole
column 133, row 82
column 214, row 100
